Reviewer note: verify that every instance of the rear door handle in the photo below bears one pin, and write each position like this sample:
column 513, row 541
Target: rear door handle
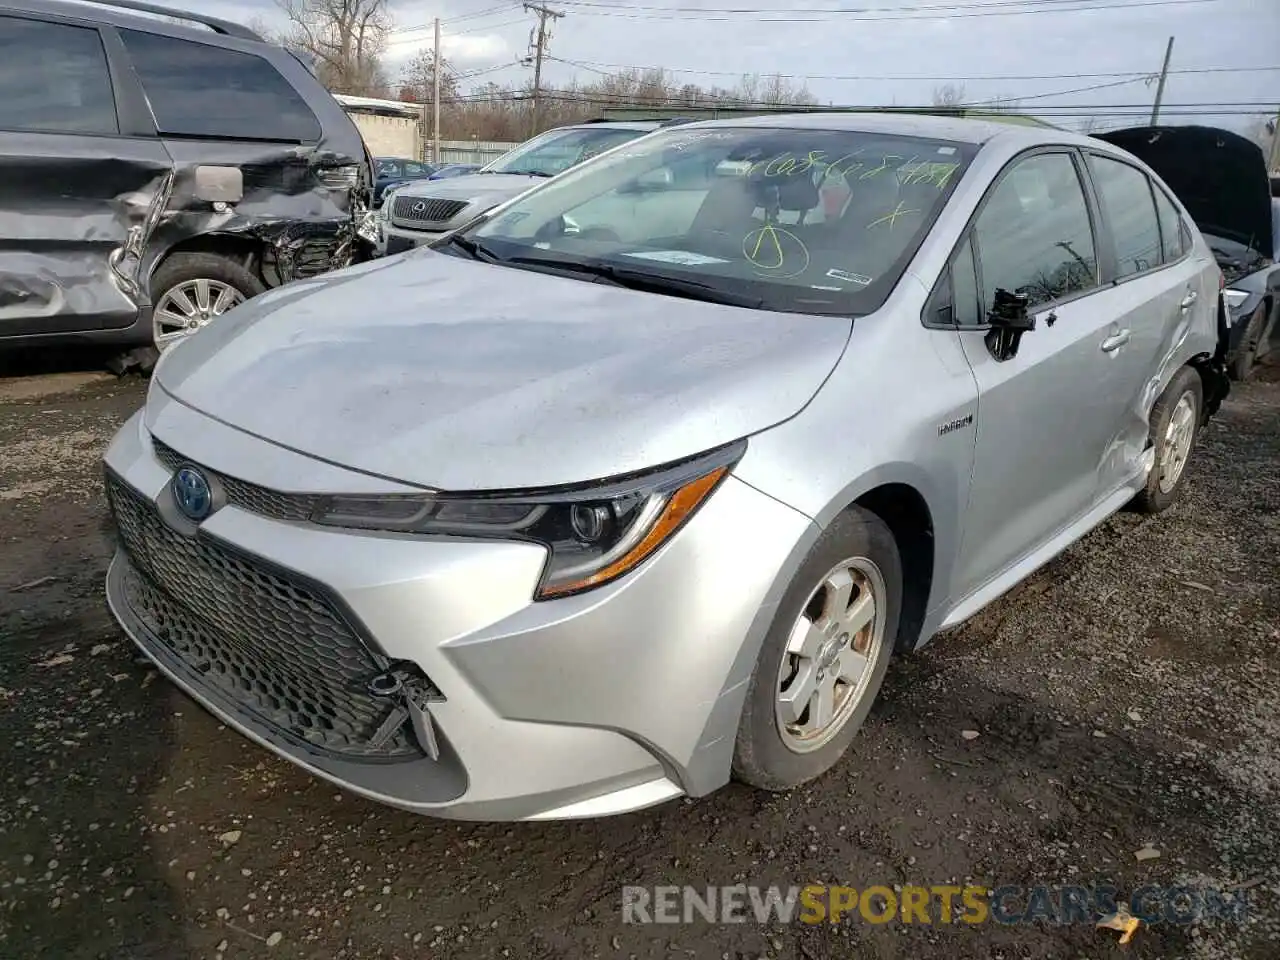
column 1188, row 300
column 1115, row 341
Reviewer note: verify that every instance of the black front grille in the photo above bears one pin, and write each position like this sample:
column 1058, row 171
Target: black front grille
column 274, row 646
column 296, row 507
column 425, row 210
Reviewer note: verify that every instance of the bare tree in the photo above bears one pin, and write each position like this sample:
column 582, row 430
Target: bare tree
column 344, row 38
column 949, row 95
column 418, row 84
column 263, row 29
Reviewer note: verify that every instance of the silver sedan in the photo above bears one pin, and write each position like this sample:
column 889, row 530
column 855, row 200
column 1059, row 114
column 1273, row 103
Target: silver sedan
column 640, row 481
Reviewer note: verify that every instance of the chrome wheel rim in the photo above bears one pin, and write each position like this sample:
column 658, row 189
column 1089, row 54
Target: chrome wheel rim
column 188, row 306
column 1177, row 441
column 832, row 654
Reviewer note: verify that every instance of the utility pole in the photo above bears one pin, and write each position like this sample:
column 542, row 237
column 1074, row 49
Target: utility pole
column 539, row 41
column 435, row 98
column 1164, row 73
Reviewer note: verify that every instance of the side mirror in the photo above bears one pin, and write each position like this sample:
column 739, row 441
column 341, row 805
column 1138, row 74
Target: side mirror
column 652, row 180
column 1010, row 318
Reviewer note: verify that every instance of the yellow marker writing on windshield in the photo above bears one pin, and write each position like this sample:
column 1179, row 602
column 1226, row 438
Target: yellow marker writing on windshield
column 766, row 248
column 891, row 218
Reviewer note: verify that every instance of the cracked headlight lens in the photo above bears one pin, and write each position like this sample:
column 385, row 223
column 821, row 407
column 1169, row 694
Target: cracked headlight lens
column 593, row 534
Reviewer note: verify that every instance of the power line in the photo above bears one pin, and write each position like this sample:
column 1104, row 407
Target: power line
column 593, row 64
column 461, row 18
column 501, row 8
column 487, row 26
column 1135, row 110
column 1092, row 86
column 1047, row 5
column 1035, row 96
column 401, row 41
column 862, row 14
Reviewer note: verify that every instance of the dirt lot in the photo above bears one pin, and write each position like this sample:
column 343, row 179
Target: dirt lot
column 1127, row 695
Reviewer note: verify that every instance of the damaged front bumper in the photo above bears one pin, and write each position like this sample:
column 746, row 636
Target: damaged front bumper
column 418, row 671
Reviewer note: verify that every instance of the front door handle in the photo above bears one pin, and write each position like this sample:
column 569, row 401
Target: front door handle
column 1115, row 341
column 1188, row 300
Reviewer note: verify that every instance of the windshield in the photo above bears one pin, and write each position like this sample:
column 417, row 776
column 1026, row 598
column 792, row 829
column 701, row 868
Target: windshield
column 797, row 220
column 558, row 150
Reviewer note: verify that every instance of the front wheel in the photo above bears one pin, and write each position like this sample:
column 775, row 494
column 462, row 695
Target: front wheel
column 1175, row 423
column 825, row 656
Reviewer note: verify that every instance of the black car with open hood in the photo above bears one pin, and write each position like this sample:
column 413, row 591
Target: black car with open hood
column 1221, row 179
column 159, row 172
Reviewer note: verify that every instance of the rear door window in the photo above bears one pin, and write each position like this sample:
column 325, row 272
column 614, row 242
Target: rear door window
column 1125, row 194
column 1173, row 238
column 54, row 79
column 199, row 90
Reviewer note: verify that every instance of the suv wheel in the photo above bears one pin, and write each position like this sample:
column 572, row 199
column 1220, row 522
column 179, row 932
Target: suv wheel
column 190, row 289
column 1175, row 424
column 825, row 656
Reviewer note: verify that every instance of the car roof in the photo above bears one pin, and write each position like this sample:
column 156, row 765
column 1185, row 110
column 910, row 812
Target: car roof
column 958, row 129
column 197, row 26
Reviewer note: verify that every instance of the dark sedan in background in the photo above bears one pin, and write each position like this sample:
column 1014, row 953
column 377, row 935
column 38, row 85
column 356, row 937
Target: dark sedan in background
column 1222, row 179
column 395, row 170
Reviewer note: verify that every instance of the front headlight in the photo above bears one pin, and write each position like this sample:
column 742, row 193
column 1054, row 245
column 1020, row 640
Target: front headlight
column 1235, row 298
column 592, row 534
column 388, row 195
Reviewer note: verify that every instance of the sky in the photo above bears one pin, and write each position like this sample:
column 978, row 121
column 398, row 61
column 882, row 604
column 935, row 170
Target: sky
column 1041, row 53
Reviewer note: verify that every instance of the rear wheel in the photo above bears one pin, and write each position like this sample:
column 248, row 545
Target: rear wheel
column 1175, row 424
column 825, row 656
column 191, row 289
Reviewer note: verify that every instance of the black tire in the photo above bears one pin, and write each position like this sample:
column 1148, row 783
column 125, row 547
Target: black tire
column 181, row 268
column 761, row 757
column 1152, row 499
column 1247, row 354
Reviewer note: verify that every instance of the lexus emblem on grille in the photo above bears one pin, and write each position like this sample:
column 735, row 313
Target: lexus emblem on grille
column 192, row 494
column 419, row 207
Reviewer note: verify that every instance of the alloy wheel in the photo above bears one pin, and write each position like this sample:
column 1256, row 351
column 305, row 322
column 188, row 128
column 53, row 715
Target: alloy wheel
column 1176, row 445
column 831, row 655
column 188, row 306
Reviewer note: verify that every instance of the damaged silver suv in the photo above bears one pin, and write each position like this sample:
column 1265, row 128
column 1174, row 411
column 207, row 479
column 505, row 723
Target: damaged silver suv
column 158, row 173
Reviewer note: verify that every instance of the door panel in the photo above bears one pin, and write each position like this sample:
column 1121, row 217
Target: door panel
column 75, row 195
column 1048, row 416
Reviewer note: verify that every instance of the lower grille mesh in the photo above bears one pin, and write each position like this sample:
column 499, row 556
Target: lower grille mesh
column 278, row 649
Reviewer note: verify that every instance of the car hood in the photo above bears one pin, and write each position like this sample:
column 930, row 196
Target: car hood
column 458, row 375
column 495, row 187
column 1220, row 177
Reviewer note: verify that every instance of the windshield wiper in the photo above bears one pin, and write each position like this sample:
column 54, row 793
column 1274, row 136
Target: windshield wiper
column 528, row 173
column 477, row 251
column 652, row 282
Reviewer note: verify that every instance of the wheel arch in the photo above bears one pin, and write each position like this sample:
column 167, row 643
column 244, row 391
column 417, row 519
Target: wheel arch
column 925, row 522
column 239, row 248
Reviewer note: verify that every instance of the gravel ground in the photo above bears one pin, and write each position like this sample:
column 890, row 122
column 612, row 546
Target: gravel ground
column 1126, row 695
